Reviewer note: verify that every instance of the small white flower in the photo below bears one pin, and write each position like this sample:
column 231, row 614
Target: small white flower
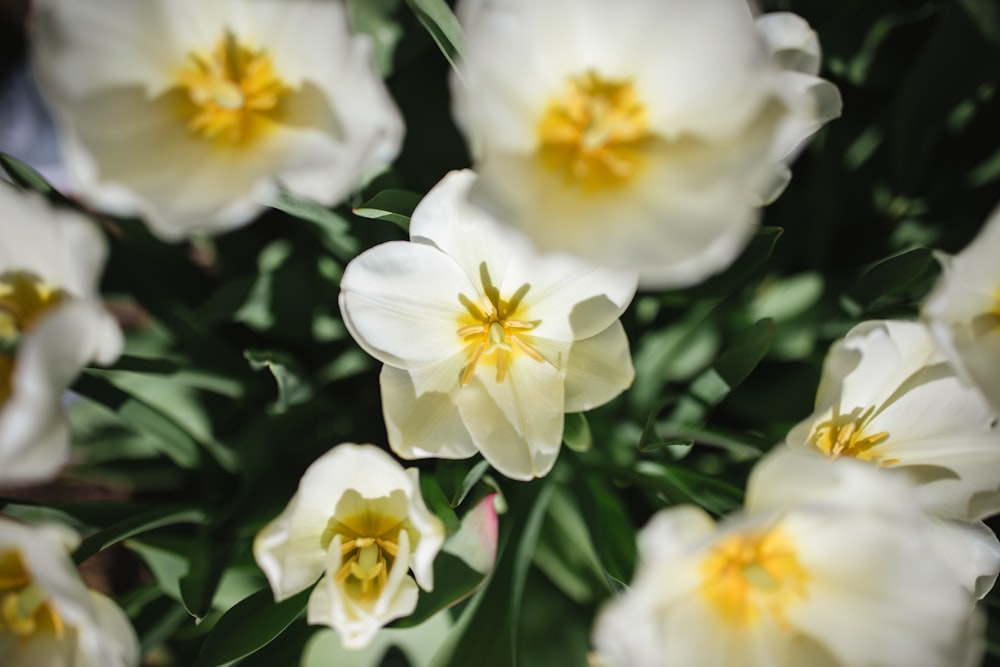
column 888, row 396
column 641, row 134
column 47, row 615
column 192, row 112
column 358, row 519
column 51, row 325
column 963, row 311
column 832, row 564
column 486, row 343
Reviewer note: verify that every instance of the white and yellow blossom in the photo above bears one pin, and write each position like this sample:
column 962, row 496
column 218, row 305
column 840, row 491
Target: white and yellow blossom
column 486, row 343
column 358, row 524
column 191, row 113
column 830, row 565
column 47, row 615
column 887, row 396
column 963, row 311
column 51, row 325
column 641, row 134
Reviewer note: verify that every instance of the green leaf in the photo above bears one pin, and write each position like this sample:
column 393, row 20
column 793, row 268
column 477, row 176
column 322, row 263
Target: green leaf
column 438, row 503
column 334, row 230
column 249, row 626
column 469, row 481
column 986, row 16
column 438, row 19
column 735, row 364
column 293, row 387
column 136, row 525
column 890, row 278
column 576, row 432
column 23, row 175
column 208, row 557
column 174, row 441
column 682, row 485
column 453, row 582
column 396, row 206
column 565, row 552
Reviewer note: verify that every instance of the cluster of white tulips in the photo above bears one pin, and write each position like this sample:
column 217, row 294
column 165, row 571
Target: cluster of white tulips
column 616, row 147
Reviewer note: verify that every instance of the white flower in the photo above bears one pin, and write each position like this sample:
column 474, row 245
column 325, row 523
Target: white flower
column 963, row 311
column 360, row 518
column 51, row 325
column 887, row 396
column 640, row 133
column 486, row 344
column 192, row 112
column 47, row 615
column 832, row 564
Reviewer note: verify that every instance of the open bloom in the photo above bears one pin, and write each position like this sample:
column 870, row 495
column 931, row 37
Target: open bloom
column 359, row 521
column 486, row 343
column 47, row 615
column 191, row 112
column 887, row 396
column 831, row 565
column 963, row 311
column 641, row 134
column 51, row 325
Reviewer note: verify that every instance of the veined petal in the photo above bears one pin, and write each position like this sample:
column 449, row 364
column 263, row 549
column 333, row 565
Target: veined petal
column 425, row 424
column 517, row 424
column 597, row 369
column 401, row 303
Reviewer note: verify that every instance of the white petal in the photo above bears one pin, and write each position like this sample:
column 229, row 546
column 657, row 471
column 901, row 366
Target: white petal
column 427, row 424
column 429, row 535
column 400, row 301
column 516, row 424
column 792, row 43
column 597, row 369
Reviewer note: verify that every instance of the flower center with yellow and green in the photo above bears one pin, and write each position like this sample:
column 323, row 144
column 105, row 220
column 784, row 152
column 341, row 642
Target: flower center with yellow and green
column 233, row 90
column 749, row 576
column 25, row 610
column 847, row 435
column 596, row 134
column 494, row 330
column 24, row 297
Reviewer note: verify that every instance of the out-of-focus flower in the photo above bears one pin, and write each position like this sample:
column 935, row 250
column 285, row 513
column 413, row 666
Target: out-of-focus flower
column 832, row 565
column 192, row 112
column 47, row 615
column 486, row 343
column 358, row 519
column 51, row 325
column 888, row 396
column 641, row 134
column 963, row 311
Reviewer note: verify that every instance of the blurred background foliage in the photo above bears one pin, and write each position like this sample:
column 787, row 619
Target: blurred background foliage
column 239, row 371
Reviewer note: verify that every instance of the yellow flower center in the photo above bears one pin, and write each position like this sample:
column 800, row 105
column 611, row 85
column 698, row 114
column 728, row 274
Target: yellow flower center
column 232, row 88
column 747, row 576
column 24, row 609
column 490, row 329
column 369, row 540
column 596, row 134
column 845, row 435
column 24, row 297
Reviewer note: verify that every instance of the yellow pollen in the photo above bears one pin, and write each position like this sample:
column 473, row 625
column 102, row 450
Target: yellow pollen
column 24, row 609
column 24, row 297
column 369, row 540
column 596, row 134
column 489, row 329
column 748, row 576
column 233, row 89
column 996, row 305
column 844, row 435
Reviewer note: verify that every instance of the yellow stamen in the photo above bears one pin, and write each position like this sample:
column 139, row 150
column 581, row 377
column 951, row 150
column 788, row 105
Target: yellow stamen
column 596, row 134
column 24, row 298
column 25, row 610
column 489, row 328
column 233, row 89
column 748, row 576
column 844, row 435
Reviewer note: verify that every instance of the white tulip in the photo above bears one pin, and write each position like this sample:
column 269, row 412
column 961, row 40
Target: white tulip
column 358, row 523
column 192, row 112
column 963, row 311
column 888, row 396
column 831, row 565
column 51, row 325
column 47, row 615
column 641, row 134
column 486, row 343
